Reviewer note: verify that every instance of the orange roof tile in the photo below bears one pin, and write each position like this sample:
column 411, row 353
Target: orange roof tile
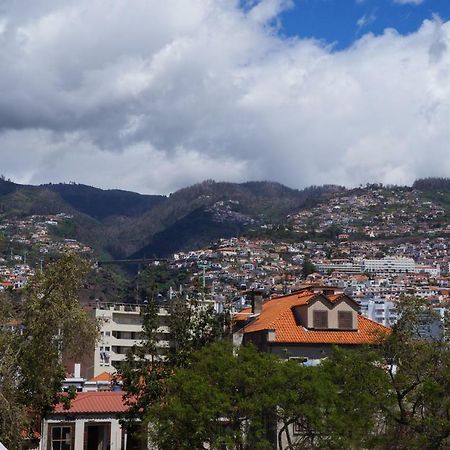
column 242, row 315
column 104, row 376
column 277, row 315
column 94, row 402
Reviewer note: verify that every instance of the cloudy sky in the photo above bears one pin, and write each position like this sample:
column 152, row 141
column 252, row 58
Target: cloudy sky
column 154, row 95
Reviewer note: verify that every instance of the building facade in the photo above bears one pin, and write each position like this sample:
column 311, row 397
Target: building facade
column 91, row 422
column 121, row 329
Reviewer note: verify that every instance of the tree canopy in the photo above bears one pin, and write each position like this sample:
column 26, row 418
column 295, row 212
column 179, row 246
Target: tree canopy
column 392, row 396
column 34, row 337
column 149, row 366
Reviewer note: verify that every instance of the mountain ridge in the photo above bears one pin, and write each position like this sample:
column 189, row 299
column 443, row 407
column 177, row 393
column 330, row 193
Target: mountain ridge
column 118, row 223
column 121, row 224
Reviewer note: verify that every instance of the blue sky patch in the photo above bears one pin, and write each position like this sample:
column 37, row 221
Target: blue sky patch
column 342, row 22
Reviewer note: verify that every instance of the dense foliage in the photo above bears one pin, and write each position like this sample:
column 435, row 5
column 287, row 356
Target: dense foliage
column 34, row 338
column 432, row 184
column 394, row 396
column 150, row 365
column 99, row 203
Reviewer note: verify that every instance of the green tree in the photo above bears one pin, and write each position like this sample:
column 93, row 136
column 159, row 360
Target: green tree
column 149, row 366
column 246, row 399
column 221, row 400
column 418, row 371
column 394, row 395
column 33, row 340
column 308, row 267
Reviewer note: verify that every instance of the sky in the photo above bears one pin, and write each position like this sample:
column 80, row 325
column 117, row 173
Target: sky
column 153, row 95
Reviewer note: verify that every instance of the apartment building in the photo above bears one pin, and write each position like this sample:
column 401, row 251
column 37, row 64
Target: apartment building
column 121, row 329
column 339, row 265
column 379, row 310
column 389, row 265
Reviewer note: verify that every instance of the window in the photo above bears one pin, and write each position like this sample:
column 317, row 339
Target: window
column 320, row 319
column 345, row 320
column 61, row 437
column 104, row 356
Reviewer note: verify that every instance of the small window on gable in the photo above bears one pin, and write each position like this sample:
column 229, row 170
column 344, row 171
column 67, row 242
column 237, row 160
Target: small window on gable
column 345, row 320
column 320, row 319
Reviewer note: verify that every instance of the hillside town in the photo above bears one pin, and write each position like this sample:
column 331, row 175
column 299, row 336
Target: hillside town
column 328, row 276
column 376, row 244
column 26, row 243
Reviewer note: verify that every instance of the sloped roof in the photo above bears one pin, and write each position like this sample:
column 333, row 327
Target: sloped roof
column 104, row 376
column 94, row 402
column 277, row 315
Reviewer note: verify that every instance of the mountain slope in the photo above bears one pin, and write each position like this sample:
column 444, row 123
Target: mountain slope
column 195, row 230
column 100, row 204
column 229, row 202
column 119, row 223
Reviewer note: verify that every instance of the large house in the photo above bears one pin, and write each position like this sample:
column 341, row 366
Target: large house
column 306, row 324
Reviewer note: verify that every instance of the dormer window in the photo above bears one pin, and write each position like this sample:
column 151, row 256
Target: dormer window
column 345, row 320
column 320, row 319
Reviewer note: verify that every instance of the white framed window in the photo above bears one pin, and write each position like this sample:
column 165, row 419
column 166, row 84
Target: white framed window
column 61, row 437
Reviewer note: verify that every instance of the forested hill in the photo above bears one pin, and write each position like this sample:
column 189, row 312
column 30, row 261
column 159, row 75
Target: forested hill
column 122, row 224
column 432, row 184
column 119, row 223
column 99, row 203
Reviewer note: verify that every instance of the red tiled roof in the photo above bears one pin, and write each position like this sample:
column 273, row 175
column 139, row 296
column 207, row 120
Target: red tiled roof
column 94, row 402
column 277, row 315
column 104, row 376
column 242, row 315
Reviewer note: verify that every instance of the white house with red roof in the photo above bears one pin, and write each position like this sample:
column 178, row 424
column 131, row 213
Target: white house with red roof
column 91, row 423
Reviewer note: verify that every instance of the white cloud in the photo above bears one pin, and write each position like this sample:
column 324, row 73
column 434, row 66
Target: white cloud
column 365, row 20
column 409, row 2
column 267, row 10
column 164, row 94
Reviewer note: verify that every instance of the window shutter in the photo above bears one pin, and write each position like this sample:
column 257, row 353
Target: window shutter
column 320, row 319
column 345, row 320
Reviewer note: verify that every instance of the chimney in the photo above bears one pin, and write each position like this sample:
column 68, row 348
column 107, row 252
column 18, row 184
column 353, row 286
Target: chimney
column 256, row 301
column 77, row 370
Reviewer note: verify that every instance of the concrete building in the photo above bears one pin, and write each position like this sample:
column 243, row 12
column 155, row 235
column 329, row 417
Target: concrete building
column 379, row 310
column 389, row 265
column 339, row 265
column 120, row 329
column 434, row 271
